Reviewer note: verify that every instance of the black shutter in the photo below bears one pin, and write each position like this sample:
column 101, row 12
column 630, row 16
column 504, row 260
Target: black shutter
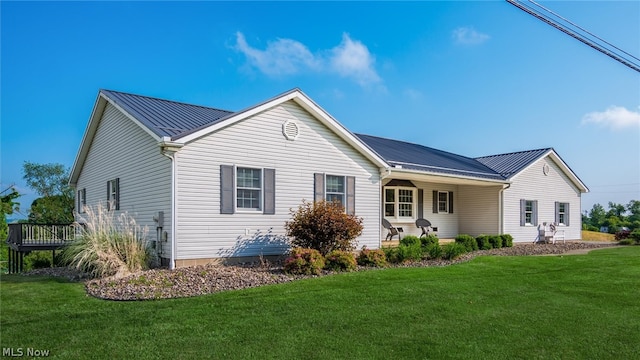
column 534, row 216
column 351, row 195
column 557, row 216
column 567, row 214
column 227, row 189
column 318, row 186
column 269, row 192
column 117, row 193
column 450, row 202
column 109, row 195
column 435, row 201
column 420, row 203
column 523, row 207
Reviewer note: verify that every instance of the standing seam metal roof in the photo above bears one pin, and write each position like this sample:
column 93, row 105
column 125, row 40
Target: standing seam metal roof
column 509, row 164
column 165, row 117
column 422, row 158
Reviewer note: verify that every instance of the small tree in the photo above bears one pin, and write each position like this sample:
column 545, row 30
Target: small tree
column 323, row 226
column 56, row 201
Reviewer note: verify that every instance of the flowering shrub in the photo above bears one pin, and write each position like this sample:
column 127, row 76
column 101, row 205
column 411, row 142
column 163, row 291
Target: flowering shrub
column 304, row 261
column 375, row 258
column 323, row 226
column 339, row 260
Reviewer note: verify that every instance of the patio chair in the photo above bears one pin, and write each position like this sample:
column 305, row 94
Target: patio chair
column 425, row 225
column 392, row 231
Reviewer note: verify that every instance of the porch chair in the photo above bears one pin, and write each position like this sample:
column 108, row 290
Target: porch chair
column 425, row 225
column 392, row 231
column 550, row 233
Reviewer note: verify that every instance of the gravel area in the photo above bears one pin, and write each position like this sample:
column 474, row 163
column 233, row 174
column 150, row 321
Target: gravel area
column 200, row 280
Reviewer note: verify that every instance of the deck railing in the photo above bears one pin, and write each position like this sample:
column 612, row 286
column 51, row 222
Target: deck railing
column 40, row 234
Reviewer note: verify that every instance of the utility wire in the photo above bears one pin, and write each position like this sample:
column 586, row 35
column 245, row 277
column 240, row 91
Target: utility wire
column 634, row 65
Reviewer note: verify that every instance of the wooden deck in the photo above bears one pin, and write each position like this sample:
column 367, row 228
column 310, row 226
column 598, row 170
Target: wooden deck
column 24, row 238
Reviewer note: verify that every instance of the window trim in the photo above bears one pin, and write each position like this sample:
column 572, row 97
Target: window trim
column 396, row 203
column 260, row 208
column 113, row 194
column 342, row 194
column 562, row 218
column 523, row 212
column 319, row 190
column 82, row 200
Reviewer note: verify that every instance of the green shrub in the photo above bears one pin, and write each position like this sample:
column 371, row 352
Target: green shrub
column 483, row 242
column 507, row 240
column 453, row 250
column 635, row 235
column 339, row 260
column 428, row 240
column 41, row 259
column 495, row 241
column 627, row 241
column 433, row 251
column 375, row 258
column 392, row 255
column 109, row 245
column 323, row 226
column 410, row 240
column 304, row 261
column 409, row 252
column 468, row 241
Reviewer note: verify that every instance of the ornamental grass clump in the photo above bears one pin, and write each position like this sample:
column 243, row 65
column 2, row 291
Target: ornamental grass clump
column 323, row 226
column 109, row 245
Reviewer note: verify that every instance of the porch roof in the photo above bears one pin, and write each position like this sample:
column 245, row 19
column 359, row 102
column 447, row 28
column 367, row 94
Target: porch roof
column 419, row 158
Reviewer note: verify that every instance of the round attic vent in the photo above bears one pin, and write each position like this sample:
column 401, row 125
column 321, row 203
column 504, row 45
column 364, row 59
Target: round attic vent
column 290, row 130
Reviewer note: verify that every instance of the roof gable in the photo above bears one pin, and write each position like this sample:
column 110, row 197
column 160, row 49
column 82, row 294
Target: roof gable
column 512, row 164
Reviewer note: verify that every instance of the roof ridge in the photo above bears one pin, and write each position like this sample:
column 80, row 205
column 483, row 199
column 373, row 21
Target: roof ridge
column 513, row 153
column 166, row 100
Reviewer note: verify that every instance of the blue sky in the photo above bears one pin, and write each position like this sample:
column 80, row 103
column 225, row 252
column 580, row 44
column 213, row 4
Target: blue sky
column 473, row 78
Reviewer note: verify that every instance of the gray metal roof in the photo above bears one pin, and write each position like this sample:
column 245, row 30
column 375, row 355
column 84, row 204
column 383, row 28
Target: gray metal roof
column 423, row 158
column 165, row 117
column 509, row 164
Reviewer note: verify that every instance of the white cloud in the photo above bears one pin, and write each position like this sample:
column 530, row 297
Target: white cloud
column 468, row 36
column 350, row 59
column 413, row 94
column 615, row 117
column 281, row 57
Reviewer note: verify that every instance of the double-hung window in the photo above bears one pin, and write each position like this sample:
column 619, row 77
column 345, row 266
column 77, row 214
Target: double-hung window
column 334, row 189
column 562, row 213
column 400, row 203
column 442, row 202
column 113, row 194
column 82, row 200
column 528, row 212
column 248, row 189
column 338, row 188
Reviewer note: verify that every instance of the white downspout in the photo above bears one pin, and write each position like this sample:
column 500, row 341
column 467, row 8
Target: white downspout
column 501, row 207
column 169, row 150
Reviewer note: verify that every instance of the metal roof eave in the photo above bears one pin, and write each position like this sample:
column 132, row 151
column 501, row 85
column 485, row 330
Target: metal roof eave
column 411, row 174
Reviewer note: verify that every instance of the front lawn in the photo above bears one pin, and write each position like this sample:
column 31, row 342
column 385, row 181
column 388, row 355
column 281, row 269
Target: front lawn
column 565, row 307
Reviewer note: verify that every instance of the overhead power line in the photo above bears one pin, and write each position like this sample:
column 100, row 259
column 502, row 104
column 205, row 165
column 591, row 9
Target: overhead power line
column 577, row 32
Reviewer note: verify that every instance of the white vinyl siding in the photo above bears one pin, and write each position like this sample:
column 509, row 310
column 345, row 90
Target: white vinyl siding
column 533, row 184
column 478, row 209
column 121, row 149
column 258, row 142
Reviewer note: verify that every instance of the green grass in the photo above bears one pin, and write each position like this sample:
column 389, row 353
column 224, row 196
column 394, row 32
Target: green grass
column 568, row 307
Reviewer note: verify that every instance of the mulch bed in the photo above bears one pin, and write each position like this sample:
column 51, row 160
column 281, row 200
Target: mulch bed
column 201, row 280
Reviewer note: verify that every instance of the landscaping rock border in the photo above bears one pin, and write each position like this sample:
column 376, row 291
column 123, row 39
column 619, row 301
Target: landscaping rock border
column 201, row 280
